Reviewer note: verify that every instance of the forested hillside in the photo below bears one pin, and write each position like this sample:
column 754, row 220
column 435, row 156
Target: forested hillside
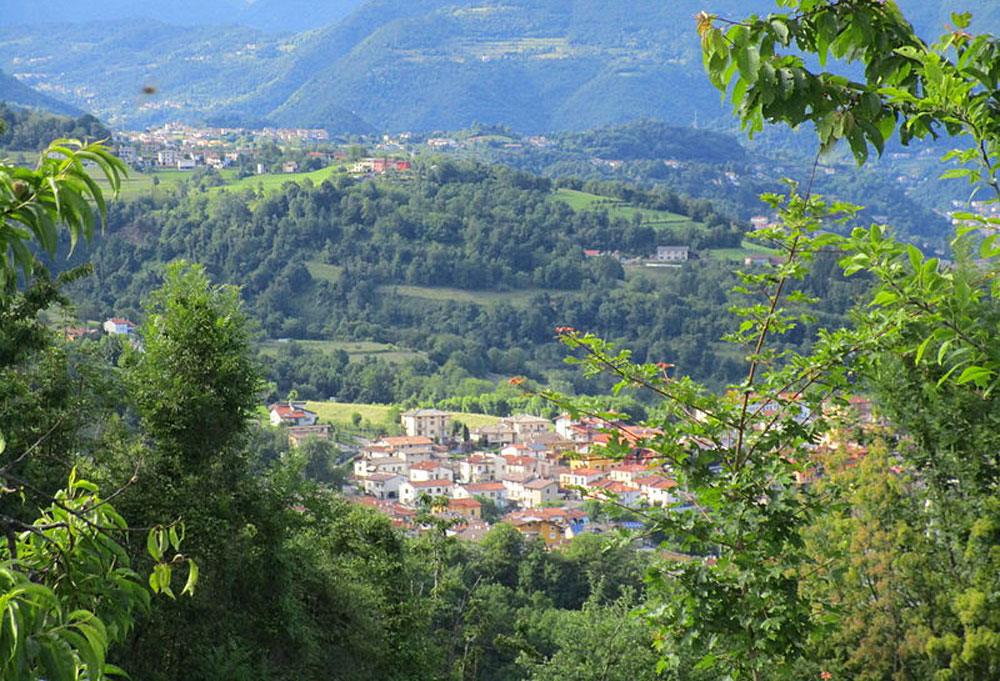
column 15, row 92
column 469, row 266
column 26, row 129
column 733, row 174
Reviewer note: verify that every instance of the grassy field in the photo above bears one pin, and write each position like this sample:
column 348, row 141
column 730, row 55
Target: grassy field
column 143, row 184
column 746, row 248
column 322, row 271
column 356, row 350
column 272, row 182
column 616, row 208
column 340, row 413
column 486, row 298
column 139, row 184
column 653, row 273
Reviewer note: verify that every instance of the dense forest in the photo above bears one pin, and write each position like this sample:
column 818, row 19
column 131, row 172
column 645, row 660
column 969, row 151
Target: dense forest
column 27, row 129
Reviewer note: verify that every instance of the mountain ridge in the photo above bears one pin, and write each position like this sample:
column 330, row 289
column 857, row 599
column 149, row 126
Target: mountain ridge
column 535, row 65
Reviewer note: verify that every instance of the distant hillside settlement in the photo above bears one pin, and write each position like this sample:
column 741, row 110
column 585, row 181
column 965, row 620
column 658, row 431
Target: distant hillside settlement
column 531, row 472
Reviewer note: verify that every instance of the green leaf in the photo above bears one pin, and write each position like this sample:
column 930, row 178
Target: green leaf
column 748, row 61
column 974, row 374
column 915, row 256
column 922, row 348
column 152, row 546
column 192, row 579
column 57, row 659
column 883, row 298
column 706, row 662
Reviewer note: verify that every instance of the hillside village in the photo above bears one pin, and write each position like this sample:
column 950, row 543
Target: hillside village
column 545, row 478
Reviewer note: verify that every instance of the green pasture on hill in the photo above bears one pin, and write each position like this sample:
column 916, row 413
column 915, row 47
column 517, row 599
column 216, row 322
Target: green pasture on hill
column 139, row 184
column 356, row 350
column 443, row 294
column 341, row 412
column 746, row 248
column 274, row 181
column 321, row 271
column 616, row 208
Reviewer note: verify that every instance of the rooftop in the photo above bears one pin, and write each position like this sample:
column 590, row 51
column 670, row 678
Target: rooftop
column 426, row 412
column 406, row 440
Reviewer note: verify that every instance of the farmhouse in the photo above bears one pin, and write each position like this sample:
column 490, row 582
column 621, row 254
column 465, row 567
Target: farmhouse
column 291, row 414
column 117, row 326
column 671, row 253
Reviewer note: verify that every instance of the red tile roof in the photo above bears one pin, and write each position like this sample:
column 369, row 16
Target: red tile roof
column 431, row 483
column 474, row 487
column 405, row 440
column 464, row 503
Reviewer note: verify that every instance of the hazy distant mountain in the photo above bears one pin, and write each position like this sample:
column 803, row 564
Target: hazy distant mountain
column 13, row 91
column 104, row 67
column 535, row 65
column 532, row 64
column 267, row 15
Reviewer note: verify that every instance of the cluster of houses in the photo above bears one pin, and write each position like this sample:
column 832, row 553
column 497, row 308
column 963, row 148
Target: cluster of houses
column 533, row 472
column 530, row 472
column 665, row 256
column 184, row 147
column 113, row 326
column 381, row 166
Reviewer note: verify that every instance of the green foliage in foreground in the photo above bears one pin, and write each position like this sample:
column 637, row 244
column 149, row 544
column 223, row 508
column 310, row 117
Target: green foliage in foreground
column 69, row 592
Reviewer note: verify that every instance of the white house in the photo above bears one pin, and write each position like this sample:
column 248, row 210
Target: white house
column 166, row 157
column 478, row 468
column 526, row 425
column 430, row 470
column 432, row 423
column 538, row 492
column 672, row 253
column 383, row 485
column 117, row 326
column 656, row 490
column 628, row 472
column 411, row 490
column 494, row 491
column 580, row 477
column 291, row 414
column 498, row 435
column 617, row 491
